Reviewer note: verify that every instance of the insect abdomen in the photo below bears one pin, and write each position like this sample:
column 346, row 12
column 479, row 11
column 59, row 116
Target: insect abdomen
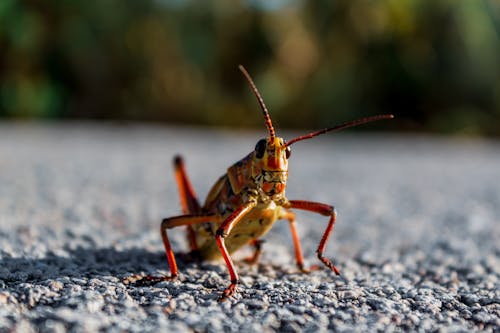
column 255, row 225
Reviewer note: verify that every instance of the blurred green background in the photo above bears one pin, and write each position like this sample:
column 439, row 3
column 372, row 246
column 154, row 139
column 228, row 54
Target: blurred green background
column 433, row 63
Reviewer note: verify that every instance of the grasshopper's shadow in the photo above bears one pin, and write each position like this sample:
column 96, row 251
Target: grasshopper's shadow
column 84, row 263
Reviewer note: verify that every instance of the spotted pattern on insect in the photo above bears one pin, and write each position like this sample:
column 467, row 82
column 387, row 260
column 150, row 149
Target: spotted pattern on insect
column 244, row 203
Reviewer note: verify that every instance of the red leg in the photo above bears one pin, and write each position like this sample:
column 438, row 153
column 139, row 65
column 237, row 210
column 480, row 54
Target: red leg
column 322, row 209
column 169, row 223
column 189, row 201
column 221, row 233
column 257, row 244
column 290, row 216
column 177, row 221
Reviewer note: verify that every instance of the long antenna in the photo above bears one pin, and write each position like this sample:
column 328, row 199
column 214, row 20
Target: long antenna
column 267, row 118
column 341, row 127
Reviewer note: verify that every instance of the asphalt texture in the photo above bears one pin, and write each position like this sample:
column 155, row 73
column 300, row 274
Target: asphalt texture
column 417, row 239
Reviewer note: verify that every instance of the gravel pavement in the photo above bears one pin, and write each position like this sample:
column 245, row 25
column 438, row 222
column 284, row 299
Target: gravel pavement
column 417, row 239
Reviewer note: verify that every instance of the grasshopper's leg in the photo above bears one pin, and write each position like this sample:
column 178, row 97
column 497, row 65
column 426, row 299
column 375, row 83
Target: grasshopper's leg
column 189, row 201
column 325, row 210
column 257, row 244
column 221, row 233
column 290, row 216
column 169, row 223
column 177, row 221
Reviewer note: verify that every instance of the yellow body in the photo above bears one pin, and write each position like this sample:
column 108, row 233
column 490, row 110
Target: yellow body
column 260, row 178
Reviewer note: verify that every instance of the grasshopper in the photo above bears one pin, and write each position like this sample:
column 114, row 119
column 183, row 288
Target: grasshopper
column 244, row 203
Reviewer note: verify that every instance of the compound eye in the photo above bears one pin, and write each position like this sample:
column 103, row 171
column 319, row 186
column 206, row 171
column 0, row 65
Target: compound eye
column 260, row 148
column 288, row 152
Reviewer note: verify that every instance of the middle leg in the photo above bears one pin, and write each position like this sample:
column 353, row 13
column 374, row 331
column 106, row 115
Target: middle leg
column 253, row 259
column 169, row 223
column 299, row 258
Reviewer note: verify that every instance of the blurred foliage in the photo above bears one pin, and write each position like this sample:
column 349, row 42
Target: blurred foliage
column 433, row 63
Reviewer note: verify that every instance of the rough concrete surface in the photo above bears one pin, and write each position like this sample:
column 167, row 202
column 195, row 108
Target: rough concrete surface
column 417, row 237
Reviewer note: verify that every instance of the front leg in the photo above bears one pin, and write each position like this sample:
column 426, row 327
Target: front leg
column 221, row 233
column 325, row 210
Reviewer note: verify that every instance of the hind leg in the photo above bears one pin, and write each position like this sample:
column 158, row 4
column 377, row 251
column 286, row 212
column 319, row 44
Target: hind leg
column 189, row 201
column 192, row 210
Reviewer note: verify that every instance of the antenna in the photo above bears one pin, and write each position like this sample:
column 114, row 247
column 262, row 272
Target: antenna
column 341, row 127
column 267, row 118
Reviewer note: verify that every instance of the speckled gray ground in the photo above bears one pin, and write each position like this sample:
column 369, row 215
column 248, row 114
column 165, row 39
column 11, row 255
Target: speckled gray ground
column 417, row 238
